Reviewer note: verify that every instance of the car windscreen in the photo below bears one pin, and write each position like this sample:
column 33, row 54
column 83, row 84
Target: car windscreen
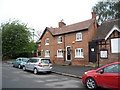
column 45, row 61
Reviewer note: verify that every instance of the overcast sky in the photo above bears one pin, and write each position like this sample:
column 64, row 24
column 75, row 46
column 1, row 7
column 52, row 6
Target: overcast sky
column 39, row 14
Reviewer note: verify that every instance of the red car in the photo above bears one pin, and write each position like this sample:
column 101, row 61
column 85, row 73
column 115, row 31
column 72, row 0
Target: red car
column 107, row 76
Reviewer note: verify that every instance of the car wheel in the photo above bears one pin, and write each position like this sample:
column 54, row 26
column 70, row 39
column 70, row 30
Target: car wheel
column 13, row 65
column 24, row 68
column 19, row 66
column 49, row 72
column 35, row 71
column 90, row 83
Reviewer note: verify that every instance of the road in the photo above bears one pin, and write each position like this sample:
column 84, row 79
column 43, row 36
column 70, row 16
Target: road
column 17, row 78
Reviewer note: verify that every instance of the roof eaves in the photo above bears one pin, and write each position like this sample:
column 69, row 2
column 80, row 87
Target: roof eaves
column 45, row 31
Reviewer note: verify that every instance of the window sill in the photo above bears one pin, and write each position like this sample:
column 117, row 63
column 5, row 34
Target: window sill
column 59, row 56
column 47, row 56
column 46, row 44
column 79, row 57
column 78, row 40
column 59, row 42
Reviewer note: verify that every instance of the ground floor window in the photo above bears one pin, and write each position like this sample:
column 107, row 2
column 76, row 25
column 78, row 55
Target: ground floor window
column 47, row 53
column 59, row 53
column 79, row 53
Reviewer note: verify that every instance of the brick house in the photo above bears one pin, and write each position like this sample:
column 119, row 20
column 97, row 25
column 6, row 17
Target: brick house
column 68, row 44
column 105, row 48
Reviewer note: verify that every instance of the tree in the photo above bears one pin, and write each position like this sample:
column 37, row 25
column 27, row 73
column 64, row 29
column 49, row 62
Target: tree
column 16, row 39
column 107, row 10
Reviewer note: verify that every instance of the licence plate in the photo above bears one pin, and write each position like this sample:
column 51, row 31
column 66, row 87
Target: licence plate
column 46, row 65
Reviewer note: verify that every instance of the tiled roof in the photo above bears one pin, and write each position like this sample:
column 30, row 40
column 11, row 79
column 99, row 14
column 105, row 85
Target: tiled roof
column 72, row 28
column 105, row 28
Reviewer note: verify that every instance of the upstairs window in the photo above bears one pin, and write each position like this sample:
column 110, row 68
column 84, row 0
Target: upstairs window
column 60, row 39
column 115, row 45
column 79, row 36
column 47, row 41
column 47, row 53
column 59, row 53
column 79, row 53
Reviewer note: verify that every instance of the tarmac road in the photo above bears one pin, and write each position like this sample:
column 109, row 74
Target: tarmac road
column 17, row 78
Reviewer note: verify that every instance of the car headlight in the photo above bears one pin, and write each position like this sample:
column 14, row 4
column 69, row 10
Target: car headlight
column 85, row 72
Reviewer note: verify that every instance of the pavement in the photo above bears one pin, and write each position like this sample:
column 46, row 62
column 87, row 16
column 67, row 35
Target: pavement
column 72, row 71
column 68, row 70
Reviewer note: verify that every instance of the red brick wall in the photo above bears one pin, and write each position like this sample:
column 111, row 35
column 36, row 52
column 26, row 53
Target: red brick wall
column 68, row 40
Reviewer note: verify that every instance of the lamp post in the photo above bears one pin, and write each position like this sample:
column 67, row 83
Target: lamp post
column 33, row 34
column 33, row 41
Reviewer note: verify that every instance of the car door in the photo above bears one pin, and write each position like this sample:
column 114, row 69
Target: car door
column 18, row 62
column 27, row 65
column 33, row 64
column 110, row 76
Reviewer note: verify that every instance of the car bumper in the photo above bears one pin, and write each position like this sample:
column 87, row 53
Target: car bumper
column 44, row 69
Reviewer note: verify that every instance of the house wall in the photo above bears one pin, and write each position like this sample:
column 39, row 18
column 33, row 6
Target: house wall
column 49, row 47
column 112, row 57
column 68, row 40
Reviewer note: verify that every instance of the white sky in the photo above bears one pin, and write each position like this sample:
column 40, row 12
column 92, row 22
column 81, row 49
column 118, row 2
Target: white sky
column 39, row 14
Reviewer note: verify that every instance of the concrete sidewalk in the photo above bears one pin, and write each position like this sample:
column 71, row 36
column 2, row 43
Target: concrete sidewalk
column 73, row 71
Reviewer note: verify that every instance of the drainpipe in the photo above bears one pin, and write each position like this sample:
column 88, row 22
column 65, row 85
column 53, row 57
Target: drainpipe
column 64, row 47
column 98, row 55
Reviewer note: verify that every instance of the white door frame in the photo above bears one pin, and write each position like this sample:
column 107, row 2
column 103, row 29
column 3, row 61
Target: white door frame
column 70, row 53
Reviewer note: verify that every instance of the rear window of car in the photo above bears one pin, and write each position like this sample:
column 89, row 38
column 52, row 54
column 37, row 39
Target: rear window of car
column 25, row 59
column 33, row 60
column 45, row 61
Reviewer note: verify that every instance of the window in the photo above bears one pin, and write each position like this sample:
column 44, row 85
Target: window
column 47, row 53
column 47, row 41
column 115, row 45
column 79, row 53
column 78, row 36
column 112, row 69
column 45, row 61
column 59, row 53
column 104, row 54
column 60, row 39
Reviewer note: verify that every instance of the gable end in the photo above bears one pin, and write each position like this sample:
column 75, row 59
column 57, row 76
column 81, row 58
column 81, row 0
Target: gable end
column 115, row 28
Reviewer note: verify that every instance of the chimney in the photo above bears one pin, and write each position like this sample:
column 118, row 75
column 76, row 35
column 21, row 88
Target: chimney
column 61, row 24
column 94, row 15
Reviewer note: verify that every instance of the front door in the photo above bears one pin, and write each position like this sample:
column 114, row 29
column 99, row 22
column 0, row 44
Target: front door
column 92, row 52
column 68, row 53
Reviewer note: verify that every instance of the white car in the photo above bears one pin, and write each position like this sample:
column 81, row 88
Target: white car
column 38, row 65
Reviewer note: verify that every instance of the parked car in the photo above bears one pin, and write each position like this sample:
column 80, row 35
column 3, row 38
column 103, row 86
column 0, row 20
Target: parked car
column 38, row 65
column 20, row 62
column 106, row 76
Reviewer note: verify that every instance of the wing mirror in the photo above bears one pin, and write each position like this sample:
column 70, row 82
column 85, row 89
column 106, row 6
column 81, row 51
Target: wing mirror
column 101, row 71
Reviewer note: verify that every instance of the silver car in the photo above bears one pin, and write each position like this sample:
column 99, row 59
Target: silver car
column 38, row 65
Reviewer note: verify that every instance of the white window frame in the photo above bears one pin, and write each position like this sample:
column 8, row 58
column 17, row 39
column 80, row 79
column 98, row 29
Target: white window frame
column 115, row 42
column 79, row 36
column 79, row 54
column 60, row 39
column 47, row 41
column 47, row 53
column 60, row 53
